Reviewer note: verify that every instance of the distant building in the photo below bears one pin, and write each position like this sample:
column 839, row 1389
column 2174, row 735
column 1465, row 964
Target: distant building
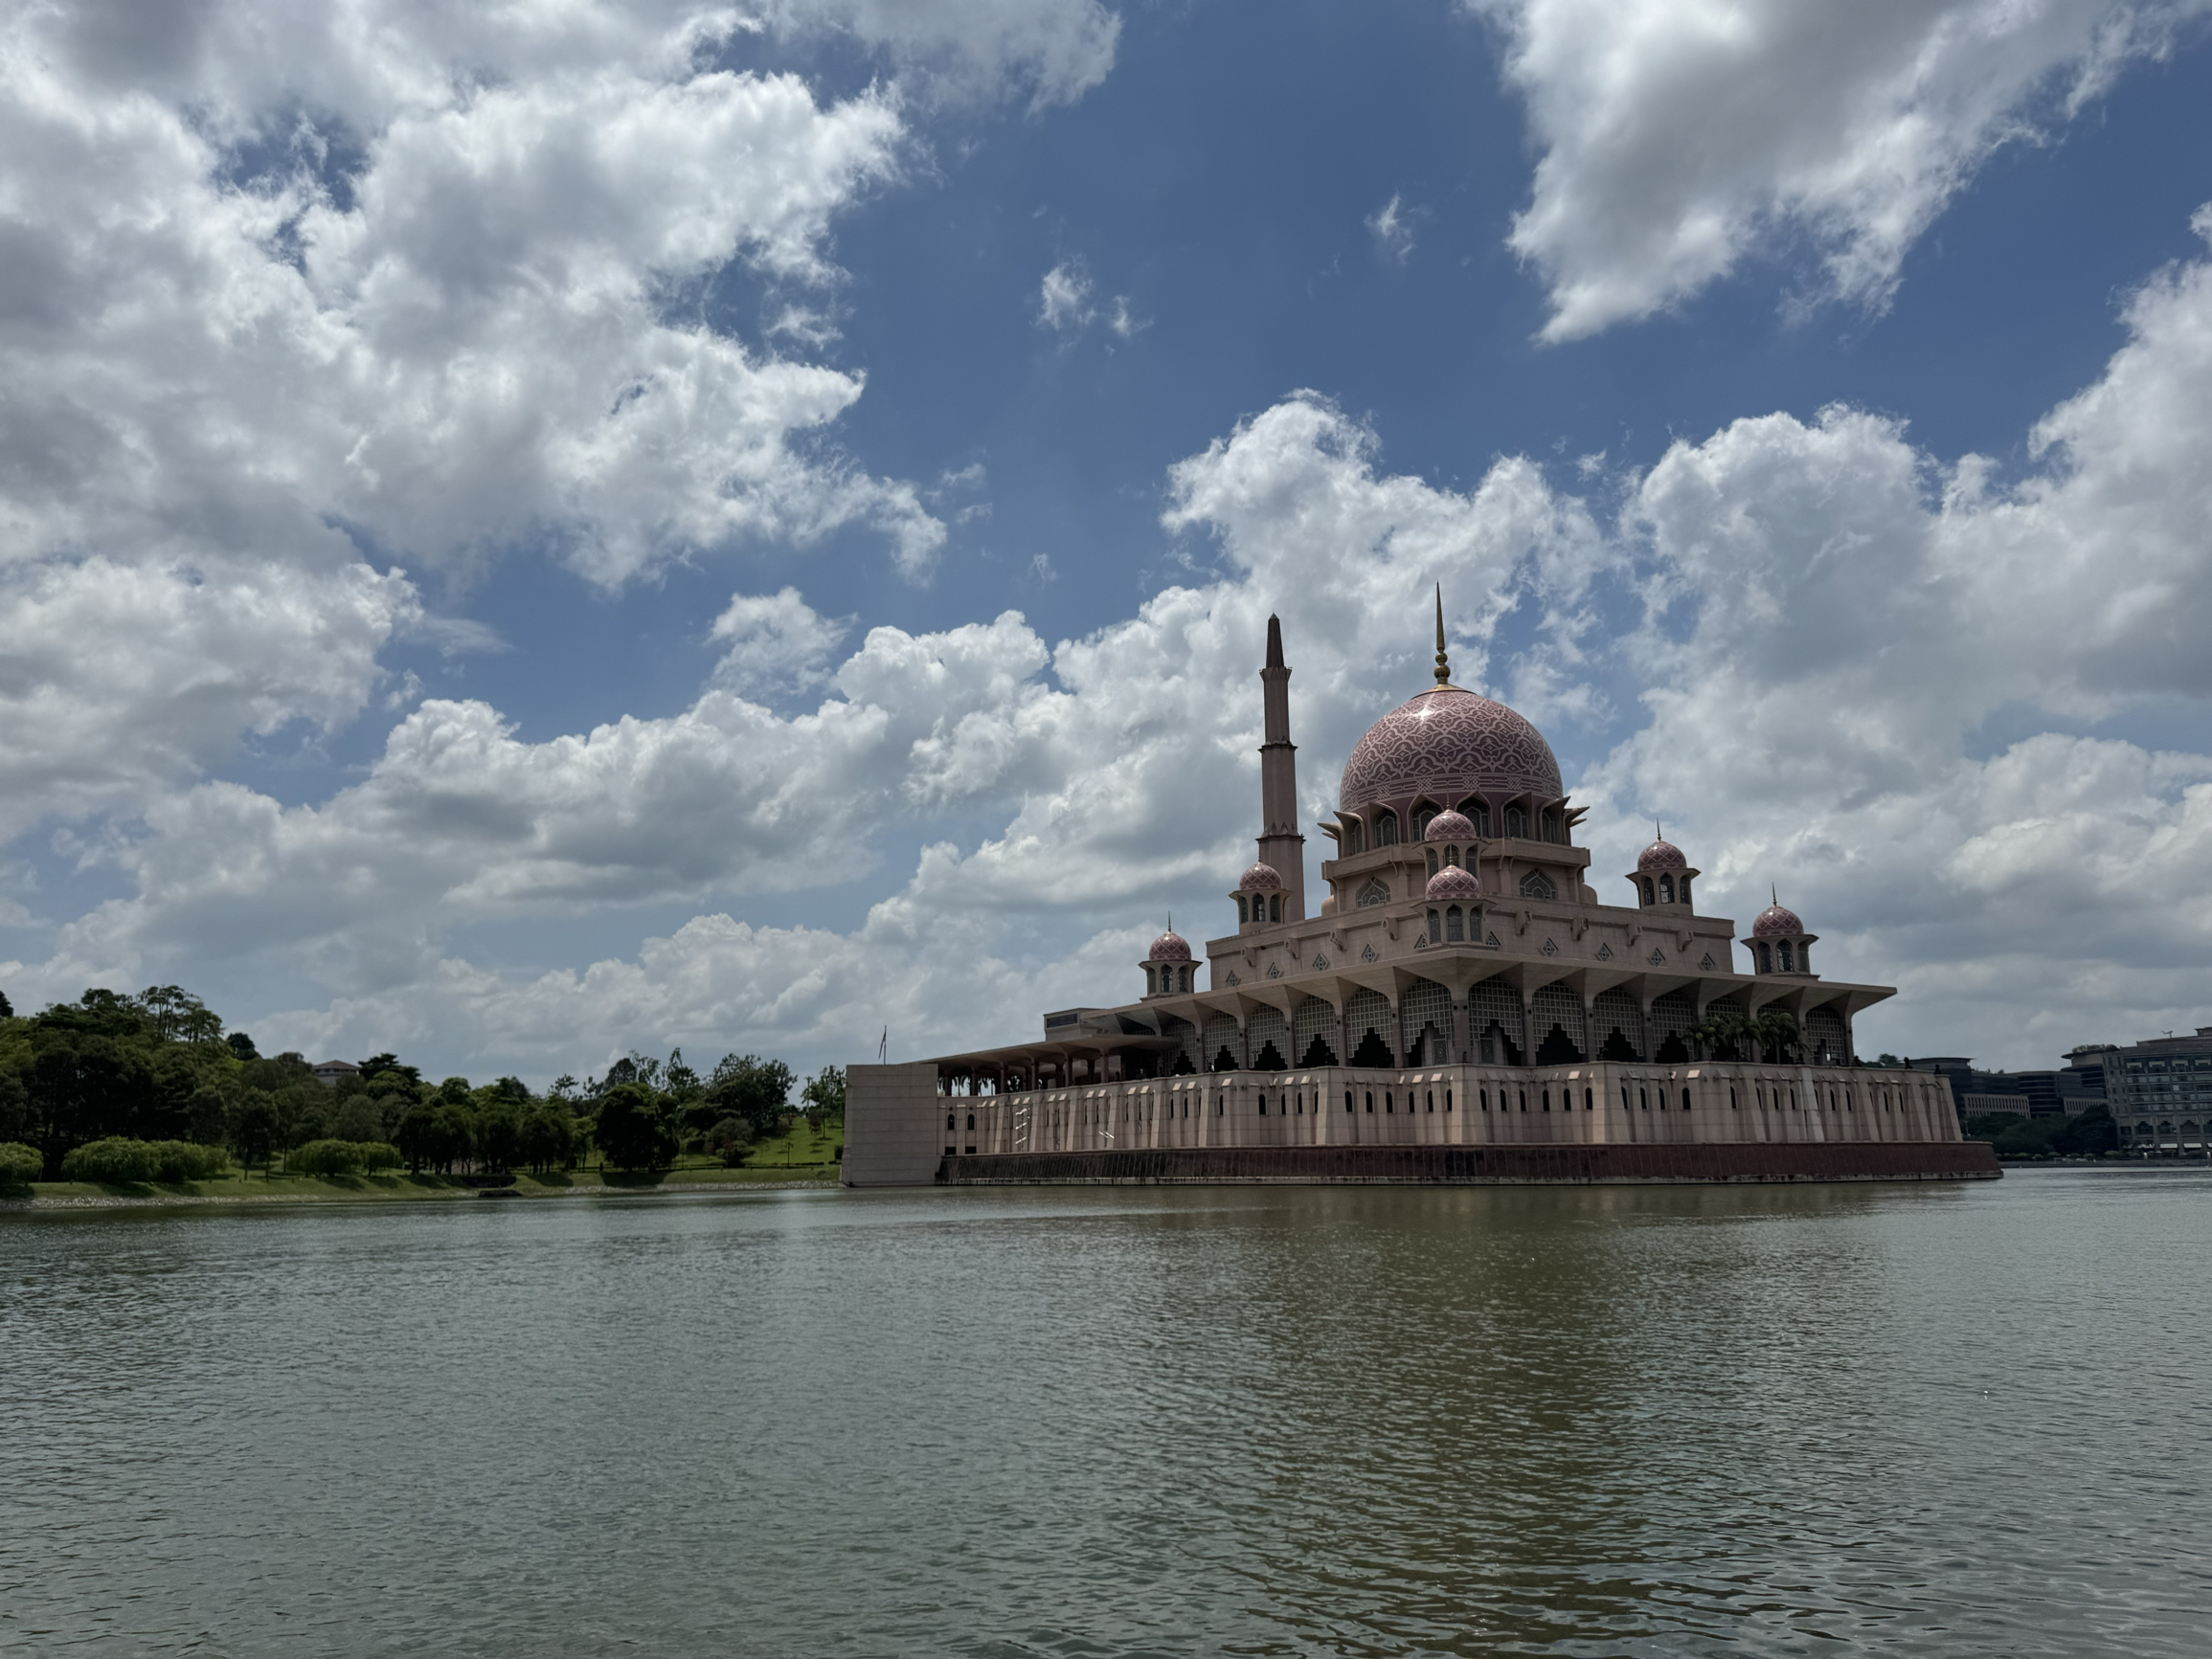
column 332, row 1073
column 2160, row 1093
column 1979, row 1093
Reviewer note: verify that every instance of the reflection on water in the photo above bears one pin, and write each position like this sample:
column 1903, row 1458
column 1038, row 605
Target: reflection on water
column 1330, row 1420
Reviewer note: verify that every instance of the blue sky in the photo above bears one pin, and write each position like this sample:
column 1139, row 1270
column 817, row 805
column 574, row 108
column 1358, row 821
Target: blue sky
column 510, row 522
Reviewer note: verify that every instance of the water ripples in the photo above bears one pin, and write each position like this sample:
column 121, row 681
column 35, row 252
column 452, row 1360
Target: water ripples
column 1345, row 1421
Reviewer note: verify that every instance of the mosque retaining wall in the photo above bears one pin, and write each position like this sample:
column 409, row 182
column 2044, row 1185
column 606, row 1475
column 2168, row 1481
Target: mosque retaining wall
column 905, row 1129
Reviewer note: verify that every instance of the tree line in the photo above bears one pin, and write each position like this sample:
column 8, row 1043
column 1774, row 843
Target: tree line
column 147, row 1086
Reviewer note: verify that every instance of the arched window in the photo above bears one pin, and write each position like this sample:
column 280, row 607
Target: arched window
column 1435, row 926
column 1536, row 884
column 1422, row 813
column 1274, row 908
column 1477, row 812
column 1804, row 958
column 1517, row 822
column 1385, row 828
column 1241, row 916
column 1789, row 957
column 1766, row 959
column 1666, row 889
column 1353, row 839
column 1432, row 861
column 1151, row 980
column 1454, row 925
column 1685, row 890
column 1553, row 830
column 1650, row 893
column 1452, row 856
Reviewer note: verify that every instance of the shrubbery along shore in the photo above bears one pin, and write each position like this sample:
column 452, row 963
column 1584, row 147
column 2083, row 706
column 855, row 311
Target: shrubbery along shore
column 149, row 1090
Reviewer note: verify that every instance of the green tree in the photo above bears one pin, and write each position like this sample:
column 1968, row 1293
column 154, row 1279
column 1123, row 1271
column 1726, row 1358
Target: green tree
column 825, row 1096
column 632, row 1129
column 1775, row 1032
column 745, row 1085
column 2090, row 1133
column 19, row 1165
column 497, row 1129
column 177, row 1016
column 1725, row 1033
column 548, row 1137
column 256, row 1129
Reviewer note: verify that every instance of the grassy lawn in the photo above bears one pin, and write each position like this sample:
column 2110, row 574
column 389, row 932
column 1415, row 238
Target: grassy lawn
column 798, row 1157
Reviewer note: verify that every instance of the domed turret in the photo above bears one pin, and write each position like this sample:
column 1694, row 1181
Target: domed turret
column 1663, row 875
column 1259, row 897
column 1449, row 826
column 1775, row 921
column 1452, row 881
column 1169, row 969
column 1779, row 943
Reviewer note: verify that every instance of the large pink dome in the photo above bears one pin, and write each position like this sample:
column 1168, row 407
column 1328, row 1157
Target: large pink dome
column 1170, row 947
column 1260, row 879
column 1773, row 921
column 1446, row 744
column 1661, row 855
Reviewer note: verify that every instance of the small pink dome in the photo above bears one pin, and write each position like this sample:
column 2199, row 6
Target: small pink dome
column 1260, row 879
column 1449, row 826
column 1169, row 948
column 1661, row 855
column 1775, row 921
column 1454, row 882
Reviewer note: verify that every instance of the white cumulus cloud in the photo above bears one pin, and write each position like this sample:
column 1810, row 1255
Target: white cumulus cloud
column 1678, row 137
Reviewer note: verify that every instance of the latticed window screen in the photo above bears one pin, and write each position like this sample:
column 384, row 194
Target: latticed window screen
column 1365, row 1011
column 1426, row 1003
column 1187, row 1034
column 1673, row 1014
column 1265, row 1026
column 1556, row 1005
column 1493, row 1001
column 1825, row 1040
column 1615, row 1010
column 1317, row 1018
column 1221, row 1033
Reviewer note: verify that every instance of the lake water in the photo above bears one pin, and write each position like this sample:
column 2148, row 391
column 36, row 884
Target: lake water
column 1936, row 1420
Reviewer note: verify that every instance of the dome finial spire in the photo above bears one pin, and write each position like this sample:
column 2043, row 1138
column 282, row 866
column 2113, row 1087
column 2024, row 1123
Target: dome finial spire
column 1443, row 666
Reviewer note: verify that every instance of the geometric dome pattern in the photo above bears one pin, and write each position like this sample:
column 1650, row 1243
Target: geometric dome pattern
column 1260, row 879
column 1448, row 743
column 1169, row 948
column 1454, row 882
column 1775, row 921
column 1449, row 826
column 1661, row 855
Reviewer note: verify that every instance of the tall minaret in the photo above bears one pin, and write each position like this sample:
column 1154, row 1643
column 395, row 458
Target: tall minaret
column 1280, row 845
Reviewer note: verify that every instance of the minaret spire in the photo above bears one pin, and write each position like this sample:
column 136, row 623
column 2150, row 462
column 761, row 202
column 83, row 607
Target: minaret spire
column 1281, row 848
column 1443, row 666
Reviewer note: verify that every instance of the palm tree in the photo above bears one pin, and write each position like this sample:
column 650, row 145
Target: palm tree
column 1775, row 1031
column 1723, row 1033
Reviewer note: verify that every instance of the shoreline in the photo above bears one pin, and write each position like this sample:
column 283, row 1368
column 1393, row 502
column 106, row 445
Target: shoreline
column 413, row 1191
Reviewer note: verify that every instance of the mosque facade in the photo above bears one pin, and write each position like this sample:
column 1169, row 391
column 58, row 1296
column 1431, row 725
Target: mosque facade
column 1462, row 1005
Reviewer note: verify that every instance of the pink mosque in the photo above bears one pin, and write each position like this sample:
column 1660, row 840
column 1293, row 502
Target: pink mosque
column 1461, row 1007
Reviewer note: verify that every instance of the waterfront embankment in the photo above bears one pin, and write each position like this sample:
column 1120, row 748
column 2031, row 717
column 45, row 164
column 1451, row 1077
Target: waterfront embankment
column 404, row 1188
